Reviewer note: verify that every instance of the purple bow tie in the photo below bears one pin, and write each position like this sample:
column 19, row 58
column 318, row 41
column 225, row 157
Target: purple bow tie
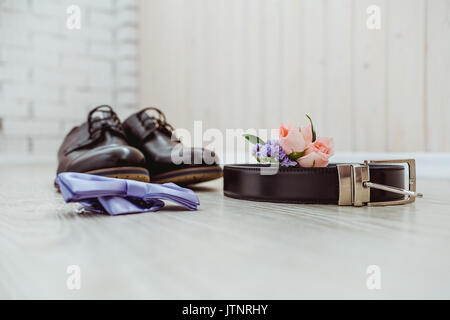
column 120, row 196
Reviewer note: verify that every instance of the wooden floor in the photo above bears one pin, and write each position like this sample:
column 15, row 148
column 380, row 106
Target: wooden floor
column 227, row 249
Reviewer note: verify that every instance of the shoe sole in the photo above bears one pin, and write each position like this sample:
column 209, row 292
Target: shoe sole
column 130, row 173
column 189, row 176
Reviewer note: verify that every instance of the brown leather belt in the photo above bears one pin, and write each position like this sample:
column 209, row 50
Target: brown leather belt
column 372, row 183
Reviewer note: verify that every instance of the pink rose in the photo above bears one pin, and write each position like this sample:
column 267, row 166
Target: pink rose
column 323, row 145
column 306, row 131
column 318, row 153
column 291, row 140
column 313, row 159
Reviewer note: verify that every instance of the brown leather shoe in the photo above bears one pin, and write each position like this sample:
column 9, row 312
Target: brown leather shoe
column 99, row 146
column 153, row 136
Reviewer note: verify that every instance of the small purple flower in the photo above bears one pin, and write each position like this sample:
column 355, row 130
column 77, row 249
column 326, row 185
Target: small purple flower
column 259, row 151
column 286, row 162
column 274, row 147
column 278, row 153
column 256, row 150
column 284, row 159
column 272, row 151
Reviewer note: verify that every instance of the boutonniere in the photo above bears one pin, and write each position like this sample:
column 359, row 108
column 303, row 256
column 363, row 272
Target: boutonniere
column 296, row 146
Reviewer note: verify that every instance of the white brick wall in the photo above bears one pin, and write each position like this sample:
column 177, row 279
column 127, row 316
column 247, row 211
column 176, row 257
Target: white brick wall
column 50, row 76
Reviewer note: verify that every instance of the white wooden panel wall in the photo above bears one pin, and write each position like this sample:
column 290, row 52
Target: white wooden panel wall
column 257, row 63
column 437, row 76
column 368, row 110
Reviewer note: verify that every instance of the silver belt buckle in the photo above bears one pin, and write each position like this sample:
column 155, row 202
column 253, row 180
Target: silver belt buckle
column 355, row 184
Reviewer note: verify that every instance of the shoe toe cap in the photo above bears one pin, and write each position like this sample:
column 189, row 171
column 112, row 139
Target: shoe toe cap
column 107, row 157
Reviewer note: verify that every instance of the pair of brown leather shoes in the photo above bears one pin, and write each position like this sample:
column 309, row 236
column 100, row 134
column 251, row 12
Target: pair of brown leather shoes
column 142, row 148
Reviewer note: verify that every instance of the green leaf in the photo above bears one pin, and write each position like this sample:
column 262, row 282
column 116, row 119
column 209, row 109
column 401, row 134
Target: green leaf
column 295, row 155
column 312, row 128
column 253, row 139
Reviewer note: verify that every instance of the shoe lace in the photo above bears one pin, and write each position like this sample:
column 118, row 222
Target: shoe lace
column 108, row 120
column 158, row 122
column 97, row 125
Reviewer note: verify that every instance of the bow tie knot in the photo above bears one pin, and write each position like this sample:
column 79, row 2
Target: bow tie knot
column 120, row 196
column 136, row 189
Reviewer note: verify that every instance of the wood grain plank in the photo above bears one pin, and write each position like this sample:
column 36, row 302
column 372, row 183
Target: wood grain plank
column 228, row 248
